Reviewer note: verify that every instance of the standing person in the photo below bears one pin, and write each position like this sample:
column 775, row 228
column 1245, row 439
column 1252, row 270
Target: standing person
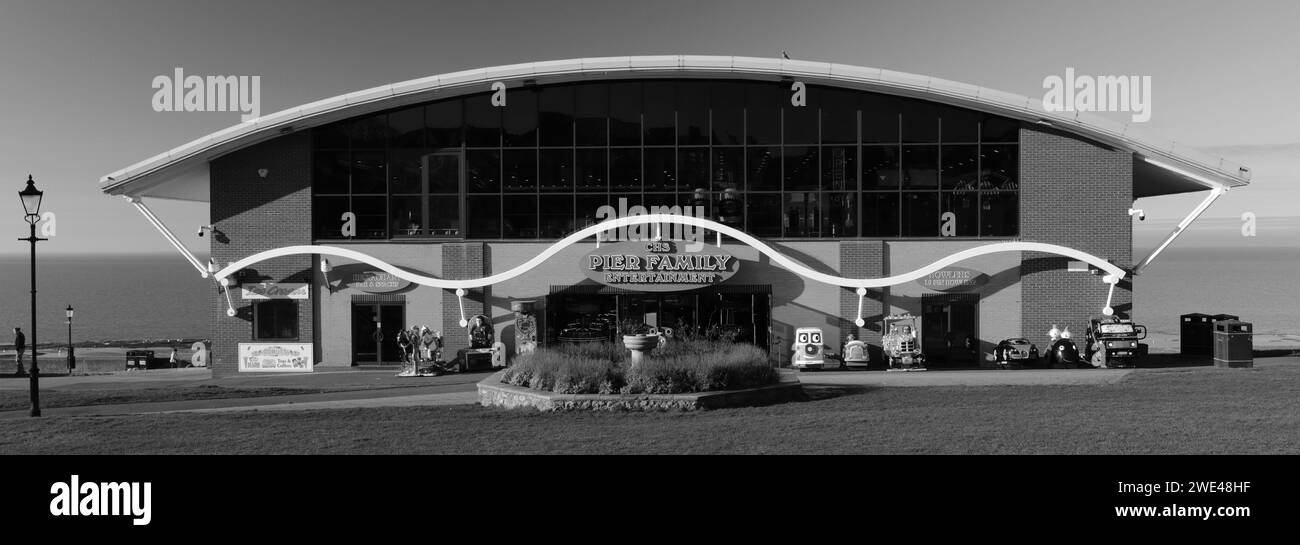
column 20, row 345
column 426, row 343
column 404, row 344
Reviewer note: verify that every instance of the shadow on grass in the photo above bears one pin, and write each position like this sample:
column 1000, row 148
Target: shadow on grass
column 821, row 392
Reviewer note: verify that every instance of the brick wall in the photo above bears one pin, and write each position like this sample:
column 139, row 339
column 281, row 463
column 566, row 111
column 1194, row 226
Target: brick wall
column 862, row 259
column 252, row 214
column 1077, row 194
column 463, row 261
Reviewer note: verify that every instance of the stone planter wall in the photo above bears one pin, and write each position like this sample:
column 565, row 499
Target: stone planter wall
column 494, row 393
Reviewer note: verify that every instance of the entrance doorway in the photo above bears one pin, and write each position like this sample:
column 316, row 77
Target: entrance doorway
column 374, row 332
column 949, row 334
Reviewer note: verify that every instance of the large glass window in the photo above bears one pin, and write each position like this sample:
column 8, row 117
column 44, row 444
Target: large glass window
column 592, row 170
column 483, row 216
column 444, row 122
column 763, row 114
column 692, row 113
column 482, row 122
column 519, row 126
column 519, row 216
column 964, row 207
column 483, row 171
column 802, row 214
column 920, row 214
column 625, row 170
column 660, row 169
column 520, row 175
column 625, row 114
column 920, row 166
column 880, row 167
column 801, row 168
column 556, row 170
column 693, row 168
column 275, row 320
column 555, row 115
column 880, row 214
column 764, row 169
column 727, row 102
column 764, row 213
column 728, row 168
column 592, row 110
column 849, row 163
column 660, row 116
column 839, row 215
column 840, row 168
column 556, row 215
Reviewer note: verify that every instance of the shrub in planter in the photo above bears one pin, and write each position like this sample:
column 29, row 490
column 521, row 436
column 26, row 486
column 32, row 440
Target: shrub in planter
column 680, row 367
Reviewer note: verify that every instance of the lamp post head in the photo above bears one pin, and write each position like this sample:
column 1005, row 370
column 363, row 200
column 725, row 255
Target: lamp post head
column 69, row 312
column 31, row 198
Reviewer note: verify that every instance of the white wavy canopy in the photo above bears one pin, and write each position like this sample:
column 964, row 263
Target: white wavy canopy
column 1115, row 273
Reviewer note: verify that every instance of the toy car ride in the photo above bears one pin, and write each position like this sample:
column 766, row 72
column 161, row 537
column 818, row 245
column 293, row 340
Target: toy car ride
column 809, row 352
column 899, row 344
column 1113, row 342
column 1015, row 353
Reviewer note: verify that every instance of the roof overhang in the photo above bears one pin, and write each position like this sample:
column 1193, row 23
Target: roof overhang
column 181, row 173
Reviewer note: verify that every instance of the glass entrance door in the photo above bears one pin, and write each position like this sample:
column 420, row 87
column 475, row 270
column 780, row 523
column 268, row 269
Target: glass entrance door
column 948, row 329
column 374, row 332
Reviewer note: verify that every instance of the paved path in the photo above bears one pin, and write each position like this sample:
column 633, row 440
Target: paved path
column 424, row 400
column 973, row 377
column 364, row 389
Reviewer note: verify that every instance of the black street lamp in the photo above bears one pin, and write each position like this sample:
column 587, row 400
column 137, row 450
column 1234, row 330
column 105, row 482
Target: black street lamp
column 31, row 198
column 72, row 358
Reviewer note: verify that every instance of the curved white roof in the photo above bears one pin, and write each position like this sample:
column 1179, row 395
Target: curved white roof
column 182, row 173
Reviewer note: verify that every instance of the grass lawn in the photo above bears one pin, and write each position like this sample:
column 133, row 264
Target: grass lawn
column 20, row 399
column 1154, row 411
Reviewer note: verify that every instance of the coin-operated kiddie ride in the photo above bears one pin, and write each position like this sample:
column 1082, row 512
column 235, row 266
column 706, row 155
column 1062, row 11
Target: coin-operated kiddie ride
column 902, row 352
column 809, row 352
column 855, row 352
column 1113, row 342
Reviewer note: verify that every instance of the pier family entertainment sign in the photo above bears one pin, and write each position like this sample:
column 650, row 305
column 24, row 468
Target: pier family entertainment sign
column 658, row 266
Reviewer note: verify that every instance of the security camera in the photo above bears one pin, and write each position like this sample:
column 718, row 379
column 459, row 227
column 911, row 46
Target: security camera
column 1142, row 216
column 203, row 228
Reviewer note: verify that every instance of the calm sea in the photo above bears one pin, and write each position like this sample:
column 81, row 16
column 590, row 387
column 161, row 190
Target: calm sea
column 162, row 296
column 115, row 297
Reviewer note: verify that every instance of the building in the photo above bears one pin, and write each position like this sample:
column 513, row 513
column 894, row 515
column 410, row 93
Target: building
column 848, row 172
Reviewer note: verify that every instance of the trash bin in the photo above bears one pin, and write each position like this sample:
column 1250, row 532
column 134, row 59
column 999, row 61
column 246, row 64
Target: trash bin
column 1233, row 343
column 1196, row 335
column 138, row 359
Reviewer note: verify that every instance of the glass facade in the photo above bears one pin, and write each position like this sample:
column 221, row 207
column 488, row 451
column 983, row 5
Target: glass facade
column 848, row 164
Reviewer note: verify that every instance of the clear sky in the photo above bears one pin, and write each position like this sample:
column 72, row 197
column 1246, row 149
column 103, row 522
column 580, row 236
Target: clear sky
column 75, row 75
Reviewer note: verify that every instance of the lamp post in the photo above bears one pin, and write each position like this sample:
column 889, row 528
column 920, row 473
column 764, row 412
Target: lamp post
column 72, row 359
column 31, row 198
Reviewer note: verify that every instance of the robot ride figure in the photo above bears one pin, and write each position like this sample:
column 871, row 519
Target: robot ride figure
column 404, row 346
column 481, row 334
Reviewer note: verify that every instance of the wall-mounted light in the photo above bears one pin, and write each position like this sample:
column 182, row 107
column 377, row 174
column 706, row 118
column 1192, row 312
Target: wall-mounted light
column 325, row 269
column 262, row 172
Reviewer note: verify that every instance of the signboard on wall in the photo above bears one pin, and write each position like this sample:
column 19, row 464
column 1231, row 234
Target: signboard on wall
column 658, row 266
column 268, row 290
column 376, row 282
column 276, row 357
column 954, row 279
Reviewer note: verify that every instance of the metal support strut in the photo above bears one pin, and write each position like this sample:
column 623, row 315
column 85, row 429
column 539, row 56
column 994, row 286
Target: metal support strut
column 1182, row 225
column 167, row 234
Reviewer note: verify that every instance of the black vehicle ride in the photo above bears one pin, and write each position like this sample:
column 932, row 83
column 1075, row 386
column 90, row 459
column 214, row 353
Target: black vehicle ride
column 1113, row 342
column 1015, row 353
